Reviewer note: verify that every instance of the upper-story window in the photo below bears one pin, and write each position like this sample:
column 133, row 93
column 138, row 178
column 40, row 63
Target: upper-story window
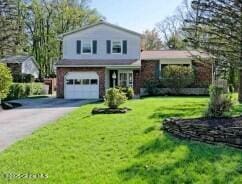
column 87, row 47
column 116, row 47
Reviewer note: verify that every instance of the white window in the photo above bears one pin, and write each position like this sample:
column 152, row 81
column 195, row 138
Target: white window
column 116, row 47
column 87, row 47
column 126, row 79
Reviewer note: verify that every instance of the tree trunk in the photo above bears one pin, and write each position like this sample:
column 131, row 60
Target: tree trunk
column 240, row 69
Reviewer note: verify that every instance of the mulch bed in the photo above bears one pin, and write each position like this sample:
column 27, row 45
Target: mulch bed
column 217, row 130
column 110, row 111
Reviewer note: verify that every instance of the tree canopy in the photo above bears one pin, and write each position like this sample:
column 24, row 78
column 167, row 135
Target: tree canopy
column 151, row 40
column 5, row 80
column 33, row 27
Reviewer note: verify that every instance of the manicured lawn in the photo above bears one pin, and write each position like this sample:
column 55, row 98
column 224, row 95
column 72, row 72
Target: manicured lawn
column 130, row 148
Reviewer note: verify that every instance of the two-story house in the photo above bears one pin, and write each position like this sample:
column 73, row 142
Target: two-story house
column 96, row 58
column 104, row 55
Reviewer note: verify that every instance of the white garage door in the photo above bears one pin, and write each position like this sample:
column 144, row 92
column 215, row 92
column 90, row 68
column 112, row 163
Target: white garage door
column 81, row 85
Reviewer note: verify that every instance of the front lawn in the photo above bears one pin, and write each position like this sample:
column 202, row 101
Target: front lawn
column 123, row 148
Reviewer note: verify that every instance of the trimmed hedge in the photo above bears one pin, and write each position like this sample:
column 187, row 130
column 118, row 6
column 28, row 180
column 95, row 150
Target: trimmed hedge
column 23, row 90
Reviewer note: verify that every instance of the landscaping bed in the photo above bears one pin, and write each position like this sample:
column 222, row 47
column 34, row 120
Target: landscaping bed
column 217, row 130
column 110, row 111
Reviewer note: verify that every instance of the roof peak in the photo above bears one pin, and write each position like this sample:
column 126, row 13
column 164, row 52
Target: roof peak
column 98, row 23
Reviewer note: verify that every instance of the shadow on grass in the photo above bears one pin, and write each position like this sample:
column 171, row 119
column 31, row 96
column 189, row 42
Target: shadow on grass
column 183, row 110
column 166, row 159
column 176, row 161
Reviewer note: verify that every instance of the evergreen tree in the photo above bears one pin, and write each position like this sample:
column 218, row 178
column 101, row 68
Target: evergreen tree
column 217, row 29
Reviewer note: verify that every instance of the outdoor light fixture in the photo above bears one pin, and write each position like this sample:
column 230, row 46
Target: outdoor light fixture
column 114, row 76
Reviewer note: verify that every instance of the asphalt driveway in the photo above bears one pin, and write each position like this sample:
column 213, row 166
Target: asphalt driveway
column 34, row 113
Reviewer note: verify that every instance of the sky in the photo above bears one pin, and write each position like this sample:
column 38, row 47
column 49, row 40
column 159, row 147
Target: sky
column 137, row 15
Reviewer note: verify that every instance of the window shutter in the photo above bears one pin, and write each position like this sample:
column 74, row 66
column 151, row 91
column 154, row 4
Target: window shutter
column 108, row 46
column 78, row 46
column 124, row 46
column 94, row 46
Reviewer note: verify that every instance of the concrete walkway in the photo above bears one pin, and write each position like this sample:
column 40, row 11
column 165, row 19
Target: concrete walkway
column 34, row 113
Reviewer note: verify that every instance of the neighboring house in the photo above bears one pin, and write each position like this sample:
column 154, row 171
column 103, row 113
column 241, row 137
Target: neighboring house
column 104, row 55
column 21, row 65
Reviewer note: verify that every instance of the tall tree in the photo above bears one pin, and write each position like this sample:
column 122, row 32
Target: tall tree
column 46, row 19
column 175, row 42
column 217, row 29
column 151, row 40
column 171, row 27
column 8, row 26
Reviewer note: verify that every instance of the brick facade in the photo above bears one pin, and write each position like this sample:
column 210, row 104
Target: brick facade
column 203, row 72
column 203, row 76
column 61, row 72
column 137, row 81
column 148, row 69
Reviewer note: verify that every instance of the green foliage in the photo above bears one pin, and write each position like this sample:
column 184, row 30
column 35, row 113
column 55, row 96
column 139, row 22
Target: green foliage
column 114, row 98
column 219, row 103
column 175, row 42
column 44, row 21
column 23, row 90
column 5, row 80
column 177, row 77
column 152, row 87
column 27, row 78
column 8, row 26
column 128, row 91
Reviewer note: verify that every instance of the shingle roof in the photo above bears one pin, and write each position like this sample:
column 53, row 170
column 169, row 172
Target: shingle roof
column 14, row 59
column 171, row 54
column 81, row 62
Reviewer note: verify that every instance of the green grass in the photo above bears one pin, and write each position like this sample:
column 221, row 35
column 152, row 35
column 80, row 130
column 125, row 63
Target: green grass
column 128, row 148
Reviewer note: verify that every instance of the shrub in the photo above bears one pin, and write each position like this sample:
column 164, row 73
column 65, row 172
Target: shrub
column 219, row 103
column 152, row 87
column 177, row 77
column 5, row 81
column 18, row 78
column 23, row 90
column 114, row 98
column 128, row 91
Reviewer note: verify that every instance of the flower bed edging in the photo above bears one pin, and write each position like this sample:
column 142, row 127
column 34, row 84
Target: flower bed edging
column 222, row 130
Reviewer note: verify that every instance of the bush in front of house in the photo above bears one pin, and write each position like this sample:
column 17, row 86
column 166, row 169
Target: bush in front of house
column 128, row 91
column 114, row 98
column 5, row 81
column 177, row 77
column 23, row 90
column 27, row 78
column 152, row 87
column 219, row 103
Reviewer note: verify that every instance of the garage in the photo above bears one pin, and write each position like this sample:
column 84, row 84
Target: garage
column 81, row 85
